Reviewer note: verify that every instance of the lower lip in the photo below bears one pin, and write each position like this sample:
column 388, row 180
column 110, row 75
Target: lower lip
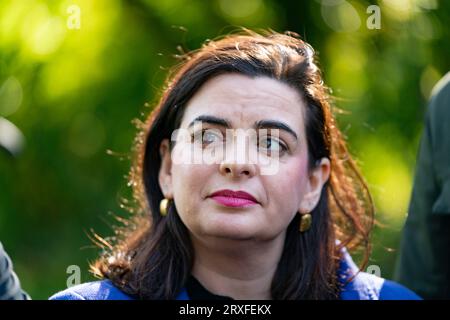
column 233, row 202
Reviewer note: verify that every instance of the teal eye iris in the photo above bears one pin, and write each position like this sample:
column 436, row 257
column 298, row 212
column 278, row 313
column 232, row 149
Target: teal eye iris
column 210, row 137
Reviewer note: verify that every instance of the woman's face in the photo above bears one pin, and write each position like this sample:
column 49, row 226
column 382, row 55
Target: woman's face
column 236, row 101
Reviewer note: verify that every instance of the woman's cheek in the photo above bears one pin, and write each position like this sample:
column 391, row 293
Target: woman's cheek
column 189, row 180
column 291, row 183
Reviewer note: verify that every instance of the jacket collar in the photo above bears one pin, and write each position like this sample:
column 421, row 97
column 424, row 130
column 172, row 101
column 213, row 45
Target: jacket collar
column 363, row 286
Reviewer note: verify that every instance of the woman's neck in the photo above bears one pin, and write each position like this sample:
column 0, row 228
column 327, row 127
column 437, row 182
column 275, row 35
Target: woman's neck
column 240, row 269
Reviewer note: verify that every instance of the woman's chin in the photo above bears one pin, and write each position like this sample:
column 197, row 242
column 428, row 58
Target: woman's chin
column 231, row 228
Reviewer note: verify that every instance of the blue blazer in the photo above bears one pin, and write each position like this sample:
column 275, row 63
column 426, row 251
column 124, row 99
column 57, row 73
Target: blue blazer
column 364, row 286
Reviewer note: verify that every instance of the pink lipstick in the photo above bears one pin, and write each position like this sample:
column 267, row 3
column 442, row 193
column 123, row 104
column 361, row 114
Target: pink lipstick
column 231, row 198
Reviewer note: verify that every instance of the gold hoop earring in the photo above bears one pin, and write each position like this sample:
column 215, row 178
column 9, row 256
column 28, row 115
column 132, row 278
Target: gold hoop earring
column 164, row 207
column 305, row 222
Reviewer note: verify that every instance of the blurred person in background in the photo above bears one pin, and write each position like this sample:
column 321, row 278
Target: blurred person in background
column 9, row 283
column 11, row 144
column 424, row 258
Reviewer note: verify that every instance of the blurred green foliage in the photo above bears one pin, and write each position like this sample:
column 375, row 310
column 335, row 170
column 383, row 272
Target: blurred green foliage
column 73, row 90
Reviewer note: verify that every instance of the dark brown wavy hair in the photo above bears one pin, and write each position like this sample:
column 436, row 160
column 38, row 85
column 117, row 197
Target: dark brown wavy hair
column 151, row 256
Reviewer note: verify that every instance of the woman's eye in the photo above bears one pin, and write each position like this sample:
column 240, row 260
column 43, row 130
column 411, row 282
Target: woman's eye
column 271, row 145
column 207, row 136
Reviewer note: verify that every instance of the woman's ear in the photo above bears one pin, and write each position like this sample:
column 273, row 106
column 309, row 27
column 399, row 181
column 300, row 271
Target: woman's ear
column 165, row 171
column 317, row 178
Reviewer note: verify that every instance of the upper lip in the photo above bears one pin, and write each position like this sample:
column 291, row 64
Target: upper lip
column 234, row 194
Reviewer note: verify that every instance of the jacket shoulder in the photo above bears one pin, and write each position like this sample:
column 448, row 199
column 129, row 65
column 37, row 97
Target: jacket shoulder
column 366, row 286
column 394, row 291
column 359, row 285
column 96, row 290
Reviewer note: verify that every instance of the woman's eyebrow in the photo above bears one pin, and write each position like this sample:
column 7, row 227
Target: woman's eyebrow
column 274, row 124
column 261, row 124
column 211, row 120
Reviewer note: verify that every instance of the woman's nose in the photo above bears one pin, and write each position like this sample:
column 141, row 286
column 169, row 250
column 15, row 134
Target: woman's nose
column 241, row 165
column 234, row 169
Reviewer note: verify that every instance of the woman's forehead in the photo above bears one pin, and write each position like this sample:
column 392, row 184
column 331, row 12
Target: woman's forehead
column 239, row 99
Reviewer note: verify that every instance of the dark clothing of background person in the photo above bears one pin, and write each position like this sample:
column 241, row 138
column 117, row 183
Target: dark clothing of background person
column 9, row 283
column 424, row 258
